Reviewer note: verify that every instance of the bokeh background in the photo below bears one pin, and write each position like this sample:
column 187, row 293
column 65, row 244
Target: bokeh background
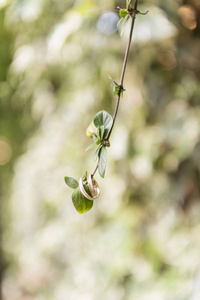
column 141, row 240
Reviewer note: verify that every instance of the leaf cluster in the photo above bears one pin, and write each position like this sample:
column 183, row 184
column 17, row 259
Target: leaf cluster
column 103, row 123
column 125, row 15
column 81, row 203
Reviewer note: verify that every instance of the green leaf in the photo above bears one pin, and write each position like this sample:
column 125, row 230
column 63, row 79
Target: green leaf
column 81, row 203
column 116, row 90
column 111, row 79
column 105, row 119
column 95, row 139
column 123, row 13
column 90, row 146
column 120, row 20
column 71, row 182
column 102, row 161
column 98, row 142
column 127, row 4
column 124, row 25
column 101, row 133
column 85, row 175
column 97, row 152
column 91, row 130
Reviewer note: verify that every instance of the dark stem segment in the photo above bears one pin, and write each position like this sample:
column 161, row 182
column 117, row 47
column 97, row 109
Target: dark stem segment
column 122, row 74
column 92, row 174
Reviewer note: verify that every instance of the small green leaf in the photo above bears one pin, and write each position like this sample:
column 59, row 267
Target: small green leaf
column 111, row 79
column 123, row 13
column 105, row 119
column 102, row 161
column 98, row 135
column 124, row 25
column 91, row 130
column 95, row 138
column 71, row 182
column 120, row 20
column 98, row 142
column 127, row 4
column 117, row 90
column 85, row 175
column 90, row 146
column 81, row 203
column 97, row 152
column 101, row 132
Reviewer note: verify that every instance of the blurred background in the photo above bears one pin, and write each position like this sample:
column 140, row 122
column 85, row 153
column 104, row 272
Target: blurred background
column 141, row 240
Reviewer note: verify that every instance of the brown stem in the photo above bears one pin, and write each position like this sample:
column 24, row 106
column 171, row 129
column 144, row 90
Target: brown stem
column 124, row 69
column 122, row 74
column 95, row 170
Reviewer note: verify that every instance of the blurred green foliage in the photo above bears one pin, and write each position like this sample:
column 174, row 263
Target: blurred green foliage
column 141, row 240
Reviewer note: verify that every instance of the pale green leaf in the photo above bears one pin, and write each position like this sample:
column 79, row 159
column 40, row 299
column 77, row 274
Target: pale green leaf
column 102, row 161
column 95, row 138
column 97, row 152
column 90, row 146
column 127, row 4
column 124, row 25
column 120, row 20
column 91, row 130
column 123, row 13
column 71, row 182
column 101, row 132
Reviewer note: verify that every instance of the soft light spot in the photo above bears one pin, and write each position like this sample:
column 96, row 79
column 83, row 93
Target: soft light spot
column 107, row 23
column 58, row 36
column 141, row 168
column 3, row 3
column 24, row 57
column 170, row 162
column 167, row 59
column 5, row 151
column 28, row 11
column 188, row 16
column 155, row 26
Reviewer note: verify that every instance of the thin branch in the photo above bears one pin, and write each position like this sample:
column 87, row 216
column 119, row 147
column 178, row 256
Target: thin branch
column 123, row 69
column 95, row 170
column 122, row 73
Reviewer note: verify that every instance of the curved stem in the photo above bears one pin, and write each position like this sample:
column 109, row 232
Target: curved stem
column 122, row 73
column 95, row 170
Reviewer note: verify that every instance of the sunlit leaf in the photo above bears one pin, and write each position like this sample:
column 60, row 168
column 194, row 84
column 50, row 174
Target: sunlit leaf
column 91, row 130
column 123, row 13
column 116, row 90
column 102, row 161
column 71, row 182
